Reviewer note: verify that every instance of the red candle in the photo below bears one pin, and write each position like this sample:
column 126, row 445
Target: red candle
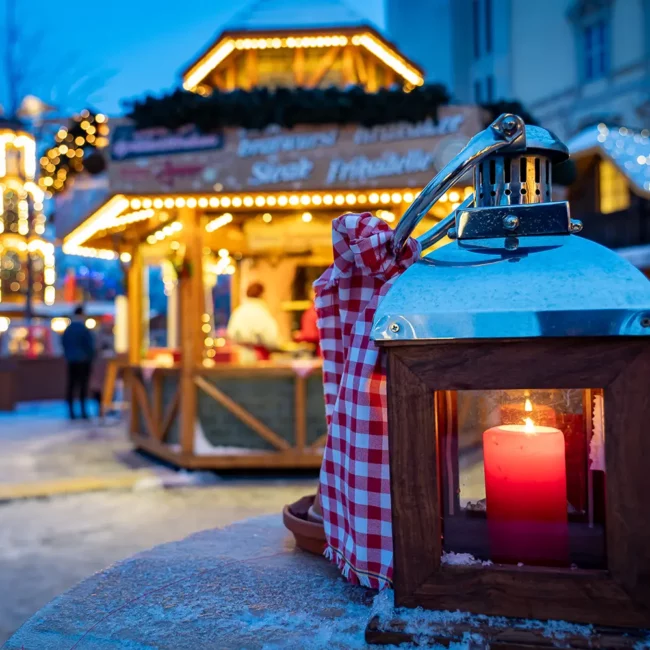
column 525, row 482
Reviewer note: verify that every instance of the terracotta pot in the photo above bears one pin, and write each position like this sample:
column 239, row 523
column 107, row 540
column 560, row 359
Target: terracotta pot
column 309, row 535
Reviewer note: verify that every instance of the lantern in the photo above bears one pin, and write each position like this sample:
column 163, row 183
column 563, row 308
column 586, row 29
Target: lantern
column 518, row 402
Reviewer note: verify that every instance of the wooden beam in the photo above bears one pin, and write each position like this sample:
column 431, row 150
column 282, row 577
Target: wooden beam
column 389, row 77
column 135, row 277
column 300, row 412
column 242, row 414
column 157, row 402
column 323, row 67
column 140, row 395
column 230, row 74
column 259, row 460
column 251, row 69
column 299, row 66
column 360, row 64
column 191, row 297
column 170, row 414
column 371, row 67
column 349, row 74
column 321, row 441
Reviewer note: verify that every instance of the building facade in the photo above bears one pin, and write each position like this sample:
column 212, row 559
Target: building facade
column 572, row 63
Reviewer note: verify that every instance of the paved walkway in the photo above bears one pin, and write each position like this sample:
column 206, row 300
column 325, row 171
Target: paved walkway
column 49, row 544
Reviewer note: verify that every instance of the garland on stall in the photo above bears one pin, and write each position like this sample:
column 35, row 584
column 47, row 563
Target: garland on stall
column 77, row 148
column 262, row 107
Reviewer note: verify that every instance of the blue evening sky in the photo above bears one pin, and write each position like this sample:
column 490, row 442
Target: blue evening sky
column 132, row 46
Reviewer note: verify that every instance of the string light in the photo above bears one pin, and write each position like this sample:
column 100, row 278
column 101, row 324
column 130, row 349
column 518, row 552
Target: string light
column 64, row 160
column 219, row 222
column 114, row 213
column 389, row 57
column 223, row 48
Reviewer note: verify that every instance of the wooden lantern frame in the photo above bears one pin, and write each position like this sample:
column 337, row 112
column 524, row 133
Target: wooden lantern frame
column 618, row 596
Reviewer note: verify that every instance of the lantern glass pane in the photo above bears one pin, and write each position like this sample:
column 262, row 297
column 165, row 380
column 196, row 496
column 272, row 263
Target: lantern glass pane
column 522, row 477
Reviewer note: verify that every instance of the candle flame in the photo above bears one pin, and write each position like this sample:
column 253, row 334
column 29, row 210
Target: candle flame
column 528, row 406
column 530, row 427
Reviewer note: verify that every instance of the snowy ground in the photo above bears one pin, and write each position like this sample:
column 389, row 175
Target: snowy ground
column 48, row 545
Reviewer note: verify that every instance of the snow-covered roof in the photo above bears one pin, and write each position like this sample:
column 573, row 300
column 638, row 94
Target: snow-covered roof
column 298, row 14
column 629, row 150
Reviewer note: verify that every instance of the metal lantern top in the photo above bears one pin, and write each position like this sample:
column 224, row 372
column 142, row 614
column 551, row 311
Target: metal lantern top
column 515, row 267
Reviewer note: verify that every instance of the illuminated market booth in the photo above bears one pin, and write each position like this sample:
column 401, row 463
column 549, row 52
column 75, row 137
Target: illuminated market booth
column 238, row 181
column 27, row 274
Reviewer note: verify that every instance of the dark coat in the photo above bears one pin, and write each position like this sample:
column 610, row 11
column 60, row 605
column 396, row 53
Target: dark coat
column 78, row 343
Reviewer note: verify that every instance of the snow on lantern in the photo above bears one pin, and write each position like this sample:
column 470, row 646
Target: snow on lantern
column 518, row 367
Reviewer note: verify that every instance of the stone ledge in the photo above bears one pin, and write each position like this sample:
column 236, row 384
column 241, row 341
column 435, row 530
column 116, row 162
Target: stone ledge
column 241, row 587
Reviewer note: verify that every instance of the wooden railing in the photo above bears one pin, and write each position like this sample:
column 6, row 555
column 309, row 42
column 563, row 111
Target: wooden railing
column 251, row 417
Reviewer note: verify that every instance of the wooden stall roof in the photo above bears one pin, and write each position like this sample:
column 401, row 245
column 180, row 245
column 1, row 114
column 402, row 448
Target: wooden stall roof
column 279, row 24
column 307, row 168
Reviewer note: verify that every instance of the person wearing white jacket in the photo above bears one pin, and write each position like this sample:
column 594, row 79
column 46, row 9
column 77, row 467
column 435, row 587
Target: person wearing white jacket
column 253, row 328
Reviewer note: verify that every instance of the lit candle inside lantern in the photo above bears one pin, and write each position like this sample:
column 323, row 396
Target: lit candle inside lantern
column 525, row 482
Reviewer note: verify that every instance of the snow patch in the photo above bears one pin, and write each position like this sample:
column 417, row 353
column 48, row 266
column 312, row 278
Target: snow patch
column 462, row 559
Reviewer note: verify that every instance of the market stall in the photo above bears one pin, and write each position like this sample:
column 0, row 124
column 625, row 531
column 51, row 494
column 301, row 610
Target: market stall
column 210, row 197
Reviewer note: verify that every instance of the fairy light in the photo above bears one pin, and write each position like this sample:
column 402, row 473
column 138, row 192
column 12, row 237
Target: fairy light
column 201, row 70
column 389, row 57
column 131, row 217
column 58, row 325
column 95, row 223
column 306, row 217
column 219, row 222
column 115, row 213
column 166, row 231
column 226, row 46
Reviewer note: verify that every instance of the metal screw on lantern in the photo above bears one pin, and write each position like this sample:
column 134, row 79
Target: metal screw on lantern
column 511, row 222
column 394, row 327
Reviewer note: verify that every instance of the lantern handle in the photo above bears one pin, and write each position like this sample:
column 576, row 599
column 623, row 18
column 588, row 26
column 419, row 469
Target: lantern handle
column 440, row 230
column 506, row 131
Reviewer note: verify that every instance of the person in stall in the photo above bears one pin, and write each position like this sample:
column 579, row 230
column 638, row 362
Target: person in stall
column 253, row 328
column 308, row 332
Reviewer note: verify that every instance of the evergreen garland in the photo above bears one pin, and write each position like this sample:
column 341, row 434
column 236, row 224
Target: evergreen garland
column 86, row 134
column 261, row 107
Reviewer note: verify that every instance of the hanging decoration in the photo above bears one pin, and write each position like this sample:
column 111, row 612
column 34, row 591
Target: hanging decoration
column 287, row 107
column 77, row 148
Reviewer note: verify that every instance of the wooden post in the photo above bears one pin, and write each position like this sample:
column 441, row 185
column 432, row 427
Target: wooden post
column 349, row 74
column 231, row 75
column 134, row 315
column 371, row 68
column 191, row 297
column 299, row 66
column 251, row 69
column 389, row 77
column 136, row 301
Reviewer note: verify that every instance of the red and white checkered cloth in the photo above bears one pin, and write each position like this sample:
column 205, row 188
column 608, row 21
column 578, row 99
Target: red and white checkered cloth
column 354, row 478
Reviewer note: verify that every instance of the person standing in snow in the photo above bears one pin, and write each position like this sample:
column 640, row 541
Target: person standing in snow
column 253, row 328
column 79, row 351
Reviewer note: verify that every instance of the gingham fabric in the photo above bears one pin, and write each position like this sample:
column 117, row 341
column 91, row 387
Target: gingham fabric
column 354, row 478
